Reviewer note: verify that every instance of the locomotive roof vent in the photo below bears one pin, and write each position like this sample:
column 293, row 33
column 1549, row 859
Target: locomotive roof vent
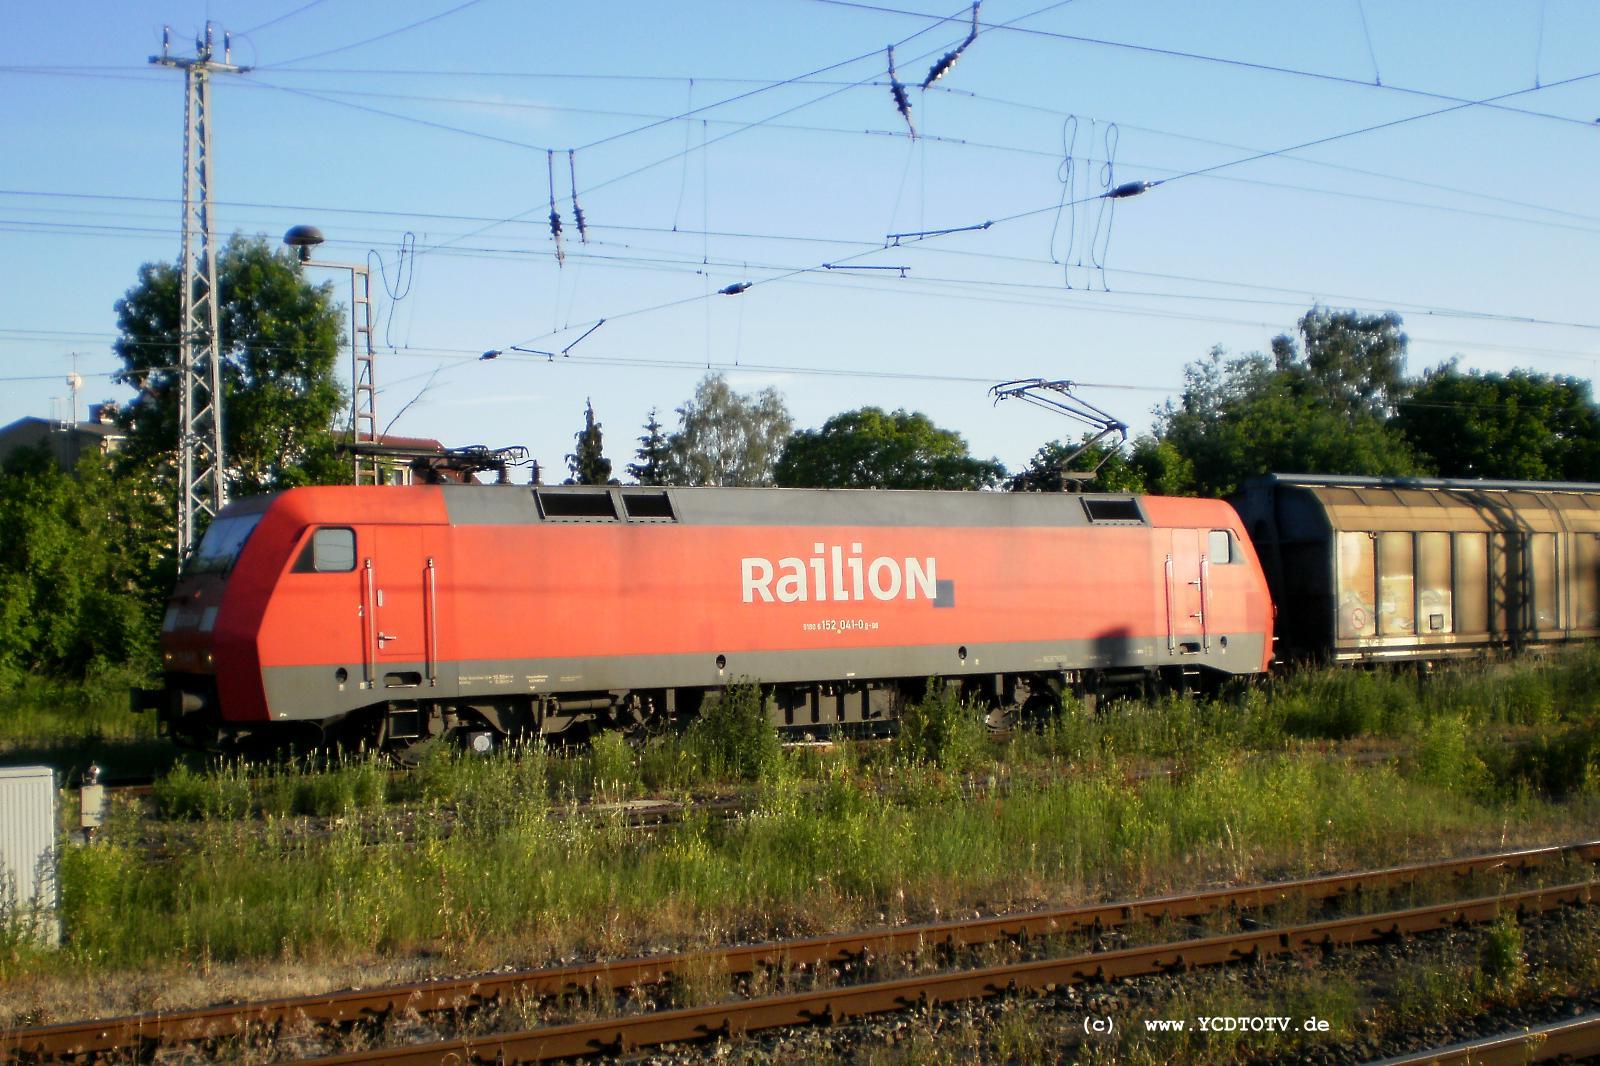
column 648, row 506
column 577, row 506
column 1124, row 511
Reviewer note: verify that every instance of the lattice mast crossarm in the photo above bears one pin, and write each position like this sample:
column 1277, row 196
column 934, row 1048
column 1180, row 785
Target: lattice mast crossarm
column 202, row 488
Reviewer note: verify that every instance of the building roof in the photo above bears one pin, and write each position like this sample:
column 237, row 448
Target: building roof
column 66, row 441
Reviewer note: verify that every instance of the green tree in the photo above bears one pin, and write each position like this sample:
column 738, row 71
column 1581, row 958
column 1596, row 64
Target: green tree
column 1522, row 425
column 655, row 450
column 869, row 449
column 1254, row 414
column 588, row 464
column 725, row 437
column 1151, row 466
column 1349, row 361
column 279, row 337
column 77, row 584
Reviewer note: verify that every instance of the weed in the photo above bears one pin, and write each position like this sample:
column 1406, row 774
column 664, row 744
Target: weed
column 1502, row 966
column 613, row 765
column 940, row 728
column 1431, row 994
column 222, row 793
column 733, row 738
column 1445, row 758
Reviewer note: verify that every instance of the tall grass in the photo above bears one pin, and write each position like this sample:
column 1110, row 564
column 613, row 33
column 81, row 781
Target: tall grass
column 1531, row 693
column 42, row 711
column 476, row 861
column 462, row 853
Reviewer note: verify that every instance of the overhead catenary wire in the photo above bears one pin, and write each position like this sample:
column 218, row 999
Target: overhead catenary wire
column 376, row 38
column 1329, row 139
column 1309, row 295
column 1173, row 53
column 746, row 126
column 329, row 96
column 1372, row 53
column 303, row 8
column 1171, row 295
column 1367, row 301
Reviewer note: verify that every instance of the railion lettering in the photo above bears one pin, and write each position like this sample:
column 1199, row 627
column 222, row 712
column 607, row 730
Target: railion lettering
column 832, row 574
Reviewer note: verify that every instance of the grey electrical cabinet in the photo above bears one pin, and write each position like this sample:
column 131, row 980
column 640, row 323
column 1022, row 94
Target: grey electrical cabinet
column 28, row 850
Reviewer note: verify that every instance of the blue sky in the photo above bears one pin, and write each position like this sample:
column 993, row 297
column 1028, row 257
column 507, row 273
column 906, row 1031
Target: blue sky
column 1478, row 223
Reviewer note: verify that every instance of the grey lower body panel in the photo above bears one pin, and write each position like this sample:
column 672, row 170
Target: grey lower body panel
column 302, row 693
column 1453, row 646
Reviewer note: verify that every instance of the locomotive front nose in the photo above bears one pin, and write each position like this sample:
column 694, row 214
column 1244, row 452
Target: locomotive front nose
column 187, row 702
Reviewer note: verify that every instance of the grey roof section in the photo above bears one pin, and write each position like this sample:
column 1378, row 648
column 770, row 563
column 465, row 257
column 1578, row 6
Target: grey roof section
column 66, row 441
column 1359, row 482
column 517, row 504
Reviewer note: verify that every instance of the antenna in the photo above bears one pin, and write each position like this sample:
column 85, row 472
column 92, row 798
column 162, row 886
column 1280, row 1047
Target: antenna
column 201, row 484
column 74, row 383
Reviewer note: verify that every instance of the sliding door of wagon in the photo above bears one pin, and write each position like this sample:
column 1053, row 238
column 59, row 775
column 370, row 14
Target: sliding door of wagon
column 1585, row 581
column 1357, row 594
column 1472, row 583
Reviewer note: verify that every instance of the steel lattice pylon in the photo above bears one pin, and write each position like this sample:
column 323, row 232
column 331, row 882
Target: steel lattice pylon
column 201, row 483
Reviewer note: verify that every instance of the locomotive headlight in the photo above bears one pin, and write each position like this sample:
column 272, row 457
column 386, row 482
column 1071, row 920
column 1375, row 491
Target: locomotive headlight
column 167, row 658
column 208, row 658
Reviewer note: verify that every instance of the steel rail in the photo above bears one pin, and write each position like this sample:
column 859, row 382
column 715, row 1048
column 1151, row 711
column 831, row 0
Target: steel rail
column 139, row 1033
column 1568, row 1041
column 622, row 1035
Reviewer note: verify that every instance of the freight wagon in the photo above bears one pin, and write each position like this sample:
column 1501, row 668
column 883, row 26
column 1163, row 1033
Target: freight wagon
column 1372, row 569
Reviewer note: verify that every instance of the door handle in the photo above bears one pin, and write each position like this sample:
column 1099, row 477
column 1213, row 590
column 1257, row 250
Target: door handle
column 386, row 636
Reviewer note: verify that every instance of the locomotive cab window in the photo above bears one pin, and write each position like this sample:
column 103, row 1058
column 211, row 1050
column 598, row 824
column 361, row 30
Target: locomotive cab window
column 224, row 540
column 331, row 550
column 1220, row 549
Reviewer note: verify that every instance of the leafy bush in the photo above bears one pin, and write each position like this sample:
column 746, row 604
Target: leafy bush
column 42, row 710
column 1556, row 765
column 941, row 728
column 1445, row 757
column 732, row 737
column 76, row 588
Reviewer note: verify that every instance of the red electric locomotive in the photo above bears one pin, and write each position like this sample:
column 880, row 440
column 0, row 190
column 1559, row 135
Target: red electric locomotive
column 403, row 613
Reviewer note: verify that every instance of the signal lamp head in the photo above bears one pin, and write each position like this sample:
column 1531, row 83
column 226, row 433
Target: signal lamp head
column 303, row 239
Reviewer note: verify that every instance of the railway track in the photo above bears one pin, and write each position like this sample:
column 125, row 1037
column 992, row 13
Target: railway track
column 1568, row 1041
column 616, row 1036
column 141, row 1035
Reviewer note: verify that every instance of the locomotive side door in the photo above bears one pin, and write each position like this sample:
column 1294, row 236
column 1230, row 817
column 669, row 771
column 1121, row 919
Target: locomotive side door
column 398, row 584
column 1186, row 593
